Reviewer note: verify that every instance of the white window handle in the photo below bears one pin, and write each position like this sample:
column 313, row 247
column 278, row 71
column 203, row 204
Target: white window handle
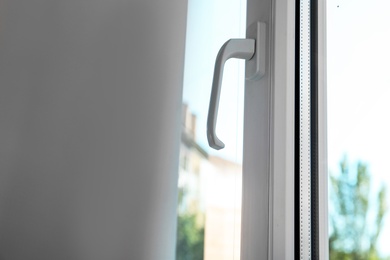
column 248, row 49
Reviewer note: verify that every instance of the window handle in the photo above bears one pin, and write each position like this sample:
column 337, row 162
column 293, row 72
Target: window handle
column 240, row 49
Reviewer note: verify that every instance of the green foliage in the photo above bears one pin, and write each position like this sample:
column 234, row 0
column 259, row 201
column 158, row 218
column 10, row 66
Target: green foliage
column 352, row 238
column 190, row 238
column 190, row 234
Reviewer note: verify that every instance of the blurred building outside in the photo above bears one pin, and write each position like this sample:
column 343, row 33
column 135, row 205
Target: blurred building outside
column 211, row 188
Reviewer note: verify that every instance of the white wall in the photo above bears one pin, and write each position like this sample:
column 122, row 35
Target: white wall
column 90, row 102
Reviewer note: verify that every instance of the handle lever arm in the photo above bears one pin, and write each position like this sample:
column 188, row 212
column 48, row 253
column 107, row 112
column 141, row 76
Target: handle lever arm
column 234, row 48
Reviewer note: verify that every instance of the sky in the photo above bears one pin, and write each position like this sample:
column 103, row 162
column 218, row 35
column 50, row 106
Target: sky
column 209, row 25
column 358, row 82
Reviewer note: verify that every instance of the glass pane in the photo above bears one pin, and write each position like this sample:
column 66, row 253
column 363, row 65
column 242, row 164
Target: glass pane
column 209, row 208
column 358, row 62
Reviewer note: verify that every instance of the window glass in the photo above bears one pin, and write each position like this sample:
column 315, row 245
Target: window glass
column 209, row 208
column 358, row 83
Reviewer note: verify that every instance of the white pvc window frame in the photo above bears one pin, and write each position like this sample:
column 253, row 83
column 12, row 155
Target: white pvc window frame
column 313, row 243
column 322, row 134
column 278, row 170
column 268, row 165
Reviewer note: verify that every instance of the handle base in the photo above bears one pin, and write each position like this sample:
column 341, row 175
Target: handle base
column 255, row 67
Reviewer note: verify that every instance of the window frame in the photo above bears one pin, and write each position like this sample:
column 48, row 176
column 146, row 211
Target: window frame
column 276, row 128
